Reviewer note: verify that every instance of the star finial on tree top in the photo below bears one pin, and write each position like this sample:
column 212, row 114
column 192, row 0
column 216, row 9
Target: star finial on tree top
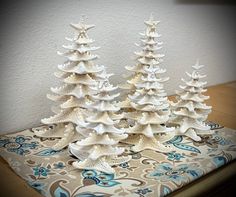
column 151, row 22
column 81, row 26
column 197, row 65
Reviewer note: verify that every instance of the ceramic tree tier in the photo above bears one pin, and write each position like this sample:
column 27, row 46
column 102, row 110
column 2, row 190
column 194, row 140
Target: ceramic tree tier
column 79, row 75
column 99, row 149
column 190, row 111
column 147, row 104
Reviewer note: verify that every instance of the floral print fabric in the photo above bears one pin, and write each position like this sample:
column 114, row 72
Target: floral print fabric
column 149, row 173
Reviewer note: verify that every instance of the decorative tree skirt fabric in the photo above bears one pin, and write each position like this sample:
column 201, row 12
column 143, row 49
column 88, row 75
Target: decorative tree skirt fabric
column 149, row 173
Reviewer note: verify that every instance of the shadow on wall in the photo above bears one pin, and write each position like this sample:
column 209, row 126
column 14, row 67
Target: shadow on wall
column 216, row 2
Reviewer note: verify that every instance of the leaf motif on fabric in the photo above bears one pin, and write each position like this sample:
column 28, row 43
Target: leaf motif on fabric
column 174, row 140
column 118, row 190
column 187, row 148
column 89, row 181
column 41, row 178
column 219, row 161
column 31, row 162
column 99, row 178
column 164, row 190
column 105, row 176
column 39, row 186
column 193, row 173
column 108, row 183
column 51, row 173
column 47, row 152
column 60, row 192
column 49, row 166
column 222, row 141
column 63, row 172
column 32, row 177
column 57, row 190
column 214, row 125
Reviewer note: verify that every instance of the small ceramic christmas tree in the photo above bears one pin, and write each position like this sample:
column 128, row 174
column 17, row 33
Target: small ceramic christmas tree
column 190, row 112
column 99, row 149
column 148, row 101
column 79, row 75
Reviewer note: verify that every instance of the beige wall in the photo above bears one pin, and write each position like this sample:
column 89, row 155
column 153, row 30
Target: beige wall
column 32, row 31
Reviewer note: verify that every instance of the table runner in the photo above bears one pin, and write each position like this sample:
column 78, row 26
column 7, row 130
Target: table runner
column 149, row 173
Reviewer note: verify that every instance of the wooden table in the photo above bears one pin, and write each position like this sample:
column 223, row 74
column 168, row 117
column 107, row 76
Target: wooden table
column 218, row 183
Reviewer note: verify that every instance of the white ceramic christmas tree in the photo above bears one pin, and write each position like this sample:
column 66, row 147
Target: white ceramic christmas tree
column 149, row 47
column 99, row 149
column 190, row 111
column 79, row 75
column 148, row 101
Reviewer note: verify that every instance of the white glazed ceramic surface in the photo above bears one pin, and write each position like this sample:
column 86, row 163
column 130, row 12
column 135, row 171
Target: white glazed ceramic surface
column 190, row 111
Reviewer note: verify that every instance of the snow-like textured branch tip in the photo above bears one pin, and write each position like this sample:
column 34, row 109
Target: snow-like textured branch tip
column 104, row 75
column 197, row 65
column 195, row 75
column 69, row 39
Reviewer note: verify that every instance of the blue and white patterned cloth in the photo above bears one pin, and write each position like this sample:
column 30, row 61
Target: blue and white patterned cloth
column 149, row 173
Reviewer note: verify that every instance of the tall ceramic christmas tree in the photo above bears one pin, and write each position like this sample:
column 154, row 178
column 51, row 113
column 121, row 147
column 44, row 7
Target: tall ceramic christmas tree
column 99, row 149
column 148, row 100
column 137, row 70
column 190, row 111
column 79, row 75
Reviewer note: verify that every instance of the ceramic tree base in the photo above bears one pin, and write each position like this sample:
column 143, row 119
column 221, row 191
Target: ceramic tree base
column 102, row 164
column 193, row 134
column 141, row 142
column 94, row 151
column 66, row 133
column 118, row 160
column 98, row 164
column 50, row 131
column 75, row 115
column 65, row 141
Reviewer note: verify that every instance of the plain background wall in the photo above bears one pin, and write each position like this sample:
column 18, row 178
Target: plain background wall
column 33, row 31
